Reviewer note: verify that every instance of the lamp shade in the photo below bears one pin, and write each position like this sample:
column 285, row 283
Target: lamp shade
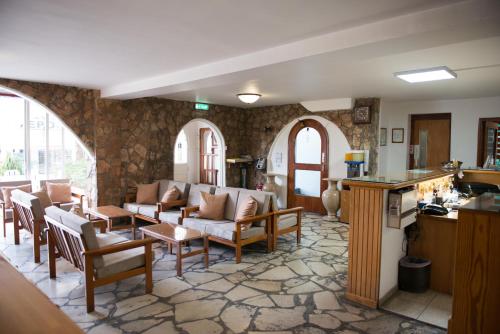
column 249, row 97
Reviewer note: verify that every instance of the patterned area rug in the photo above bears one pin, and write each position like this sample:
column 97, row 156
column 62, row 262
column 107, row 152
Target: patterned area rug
column 296, row 289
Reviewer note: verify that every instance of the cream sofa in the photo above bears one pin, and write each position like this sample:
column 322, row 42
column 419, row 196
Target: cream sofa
column 228, row 231
column 150, row 212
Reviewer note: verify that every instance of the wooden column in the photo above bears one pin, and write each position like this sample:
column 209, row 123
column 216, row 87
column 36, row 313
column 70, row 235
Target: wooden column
column 366, row 208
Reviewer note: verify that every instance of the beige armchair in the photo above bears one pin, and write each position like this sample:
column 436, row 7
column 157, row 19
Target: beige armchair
column 7, row 211
column 103, row 258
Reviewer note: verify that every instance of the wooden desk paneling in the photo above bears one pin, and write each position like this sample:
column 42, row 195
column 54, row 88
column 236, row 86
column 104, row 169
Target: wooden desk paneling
column 436, row 242
column 344, row 206
column 25, row 309
column 365, row 226
column 476, row 293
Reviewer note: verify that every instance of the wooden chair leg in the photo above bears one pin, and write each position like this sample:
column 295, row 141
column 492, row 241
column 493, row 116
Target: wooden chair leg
column 89, row 283
column 36, row 242
column 275, row 233
column 15, row 221
column 149, row 267
column 269, row 225
column 238, row 253
column 4, row 226
column 52, row 255
column 299, row 227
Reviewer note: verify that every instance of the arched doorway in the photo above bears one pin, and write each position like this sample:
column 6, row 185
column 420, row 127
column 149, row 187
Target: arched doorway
column 307, row 165
column 199, row 154
column 36, row 144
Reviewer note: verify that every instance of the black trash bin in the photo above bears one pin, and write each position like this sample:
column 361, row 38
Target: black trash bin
column 414, row 274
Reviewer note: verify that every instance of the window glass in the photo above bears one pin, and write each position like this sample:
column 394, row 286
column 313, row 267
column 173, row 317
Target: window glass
column 181, row 148
column 37, row 143
column 307, row 182
column 12, row 165
column 308, row 146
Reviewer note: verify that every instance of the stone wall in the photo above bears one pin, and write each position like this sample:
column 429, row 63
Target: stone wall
column 133, row 141
column 266, row 123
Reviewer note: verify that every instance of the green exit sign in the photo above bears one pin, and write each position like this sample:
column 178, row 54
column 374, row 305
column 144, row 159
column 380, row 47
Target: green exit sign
column 201, row 106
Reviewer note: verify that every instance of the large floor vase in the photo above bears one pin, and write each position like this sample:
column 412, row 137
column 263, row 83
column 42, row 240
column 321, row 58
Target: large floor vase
column 331, row 200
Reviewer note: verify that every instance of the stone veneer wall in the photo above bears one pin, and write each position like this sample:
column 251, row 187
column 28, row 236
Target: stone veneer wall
column 133, row 141
column 359, row 136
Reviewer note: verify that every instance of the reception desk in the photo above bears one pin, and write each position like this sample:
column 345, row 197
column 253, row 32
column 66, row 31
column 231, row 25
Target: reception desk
column 375, row 248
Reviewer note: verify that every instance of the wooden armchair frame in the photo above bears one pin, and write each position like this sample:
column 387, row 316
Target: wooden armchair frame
column 5, row 221
column 297, row 228
column 238, row 243
column 69, row 244
column 25, row 218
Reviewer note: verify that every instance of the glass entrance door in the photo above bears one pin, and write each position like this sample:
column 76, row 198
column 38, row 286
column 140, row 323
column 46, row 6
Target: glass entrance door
column 307, row 165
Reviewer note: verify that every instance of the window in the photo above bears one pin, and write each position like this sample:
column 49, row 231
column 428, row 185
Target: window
column 35, row 144
column 181, row 148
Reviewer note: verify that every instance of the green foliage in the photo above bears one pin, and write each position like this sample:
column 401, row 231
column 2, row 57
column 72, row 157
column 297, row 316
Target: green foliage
column 77, row 172
column 12, row 162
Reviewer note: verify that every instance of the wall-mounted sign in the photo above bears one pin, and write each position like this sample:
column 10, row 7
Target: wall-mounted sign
column 201, row 106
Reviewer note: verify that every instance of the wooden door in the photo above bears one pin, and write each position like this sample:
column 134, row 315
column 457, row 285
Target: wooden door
column 307, row 165
column 432, row 132
column 488, row 143
column 208, row 157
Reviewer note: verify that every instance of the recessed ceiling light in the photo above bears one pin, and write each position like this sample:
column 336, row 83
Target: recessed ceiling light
column 427, row 74
column 249, row 97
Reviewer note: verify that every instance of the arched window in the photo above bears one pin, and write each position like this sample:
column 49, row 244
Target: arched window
column 181, row 153
column 36, row 145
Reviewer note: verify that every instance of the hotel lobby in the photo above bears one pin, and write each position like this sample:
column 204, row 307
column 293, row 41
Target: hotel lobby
column 282, row 166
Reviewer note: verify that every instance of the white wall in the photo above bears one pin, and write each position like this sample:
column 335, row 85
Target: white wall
column 190, row 172
column 337, row 144
column 465, row 114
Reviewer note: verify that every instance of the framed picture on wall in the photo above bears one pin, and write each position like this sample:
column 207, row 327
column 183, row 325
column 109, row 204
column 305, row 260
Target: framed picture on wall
column 383, row 136
column 398, row 135
column 362, row 115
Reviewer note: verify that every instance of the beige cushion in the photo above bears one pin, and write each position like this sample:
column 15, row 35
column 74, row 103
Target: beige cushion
column 13, row 184
column 263, row 202
column 167, row 184
column 132, row 207
column 194, row 197
column 170, row 216
column 9, row 214
column 59, row 192
column 119, row 262
column 7, row 193
column 148, row 210
column 200, row 224
column 147, row 193
column 246, row 210
column 287, row 220
column 232, row 200
column 108, row 239
column 212, row 206
column 171, row 195
column 227, row 231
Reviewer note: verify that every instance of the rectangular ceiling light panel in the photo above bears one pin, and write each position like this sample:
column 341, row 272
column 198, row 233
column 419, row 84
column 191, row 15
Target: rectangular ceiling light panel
column 424, row 75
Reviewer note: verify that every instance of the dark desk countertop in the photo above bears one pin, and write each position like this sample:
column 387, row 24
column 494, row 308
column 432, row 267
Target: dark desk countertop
column 487, row 202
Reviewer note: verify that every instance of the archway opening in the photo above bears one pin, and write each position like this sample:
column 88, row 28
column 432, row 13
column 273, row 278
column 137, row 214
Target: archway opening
column 36, row 145
column 199, row 154
column 277, row 159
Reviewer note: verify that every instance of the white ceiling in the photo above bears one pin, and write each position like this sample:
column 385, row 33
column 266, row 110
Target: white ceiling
column 287, row 50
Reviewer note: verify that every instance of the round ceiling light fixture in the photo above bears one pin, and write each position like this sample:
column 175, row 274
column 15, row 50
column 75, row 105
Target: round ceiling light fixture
column 249, row 97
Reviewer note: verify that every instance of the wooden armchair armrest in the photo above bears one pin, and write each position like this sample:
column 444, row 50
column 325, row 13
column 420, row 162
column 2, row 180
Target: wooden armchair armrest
column 118, row 247
column 186, row 212
column 131, row 194
column 287, row 211
column 57, row 204
column 162, row 206
column 254, row 218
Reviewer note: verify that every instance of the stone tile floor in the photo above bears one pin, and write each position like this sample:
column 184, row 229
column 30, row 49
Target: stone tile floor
column 296, row 289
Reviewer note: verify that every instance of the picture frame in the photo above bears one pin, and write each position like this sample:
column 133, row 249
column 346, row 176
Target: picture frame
column 362, row 115
column 383, row 136
column 398, row 135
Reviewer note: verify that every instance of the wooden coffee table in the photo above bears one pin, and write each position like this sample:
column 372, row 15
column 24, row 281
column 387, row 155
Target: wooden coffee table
column 112, row 212
column 177, row 236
